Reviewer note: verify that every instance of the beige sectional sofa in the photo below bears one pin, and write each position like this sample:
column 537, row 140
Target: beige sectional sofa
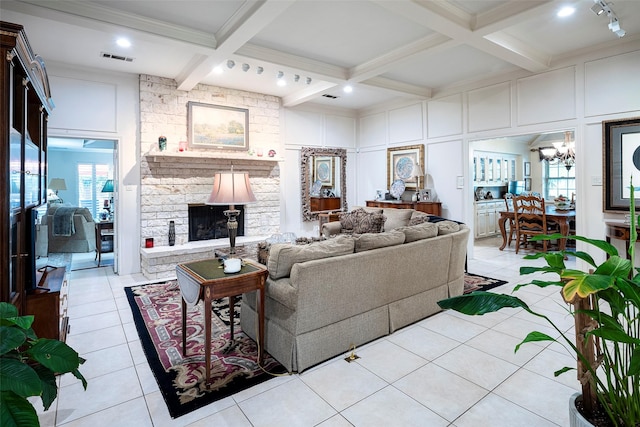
column 324, row 297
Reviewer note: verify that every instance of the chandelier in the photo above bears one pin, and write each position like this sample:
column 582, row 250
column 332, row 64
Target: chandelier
column 563, row 151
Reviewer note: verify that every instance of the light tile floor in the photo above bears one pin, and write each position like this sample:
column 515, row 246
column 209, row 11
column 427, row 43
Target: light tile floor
column 446, row 370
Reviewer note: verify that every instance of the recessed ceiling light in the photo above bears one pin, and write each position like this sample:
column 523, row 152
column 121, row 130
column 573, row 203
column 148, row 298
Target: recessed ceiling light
column 123, row 42
column 566, row 11
column 218, row 70
column 348, row 89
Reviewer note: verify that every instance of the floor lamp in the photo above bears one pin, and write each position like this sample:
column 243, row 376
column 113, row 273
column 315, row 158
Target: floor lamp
column 231, row 188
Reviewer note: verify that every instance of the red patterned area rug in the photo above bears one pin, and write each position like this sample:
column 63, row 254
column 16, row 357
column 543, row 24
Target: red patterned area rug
column 157, row 314
column 475, row 282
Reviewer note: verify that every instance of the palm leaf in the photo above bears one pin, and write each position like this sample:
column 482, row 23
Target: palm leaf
column 479, row 303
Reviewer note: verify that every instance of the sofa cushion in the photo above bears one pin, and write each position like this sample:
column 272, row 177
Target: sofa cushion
column 358, row 221
column 397, row 218
column 283, row 256
column 368, row 241
column 418, row 232
column 447, row 227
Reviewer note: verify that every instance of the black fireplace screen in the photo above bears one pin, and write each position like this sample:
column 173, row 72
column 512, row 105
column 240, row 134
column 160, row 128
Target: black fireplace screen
column 209, row 222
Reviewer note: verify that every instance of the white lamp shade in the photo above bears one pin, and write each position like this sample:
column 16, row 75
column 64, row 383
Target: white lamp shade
column 57, row 184
column 417, row 170
column 231, row 188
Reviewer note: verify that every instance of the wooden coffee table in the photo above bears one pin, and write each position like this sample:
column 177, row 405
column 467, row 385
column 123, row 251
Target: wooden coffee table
column 206, row 280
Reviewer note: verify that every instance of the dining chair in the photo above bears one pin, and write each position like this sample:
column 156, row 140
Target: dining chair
column 530, row 219
column 508, row 201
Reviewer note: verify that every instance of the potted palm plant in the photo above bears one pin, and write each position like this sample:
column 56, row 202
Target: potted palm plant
column 605, row 304
column 28, row 367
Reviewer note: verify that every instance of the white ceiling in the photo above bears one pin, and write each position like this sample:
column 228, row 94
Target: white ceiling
column 388, row 50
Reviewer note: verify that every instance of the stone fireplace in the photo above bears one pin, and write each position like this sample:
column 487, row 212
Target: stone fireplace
column 172, row 183
column 172, row 180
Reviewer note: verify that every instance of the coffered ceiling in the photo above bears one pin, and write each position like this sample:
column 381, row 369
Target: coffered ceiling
column 387, row 50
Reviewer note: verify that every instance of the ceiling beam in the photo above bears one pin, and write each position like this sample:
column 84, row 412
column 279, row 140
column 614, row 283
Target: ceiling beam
column 308, row 93
column 248, row 21
column 389, row 84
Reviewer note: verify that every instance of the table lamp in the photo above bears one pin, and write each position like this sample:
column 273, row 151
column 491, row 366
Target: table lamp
column 57, row 184
column 108, row 188
column 417, row 173
column 231, row 188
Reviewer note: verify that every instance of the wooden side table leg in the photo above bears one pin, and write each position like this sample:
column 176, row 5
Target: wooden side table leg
column 261, row 322
column 207, row 335
column 184, row 327
column 232, row 303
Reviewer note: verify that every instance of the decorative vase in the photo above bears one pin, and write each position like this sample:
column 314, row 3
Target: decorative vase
column 172, row 233
column 575, row 417
column 162, row 143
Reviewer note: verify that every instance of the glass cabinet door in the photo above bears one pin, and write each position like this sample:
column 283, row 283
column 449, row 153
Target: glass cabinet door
column 490, row 169
column 482, row 169
column 498, row 170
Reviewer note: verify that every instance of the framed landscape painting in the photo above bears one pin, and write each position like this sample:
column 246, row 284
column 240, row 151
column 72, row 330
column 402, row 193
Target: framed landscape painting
column 401, row 164
column 217, row 126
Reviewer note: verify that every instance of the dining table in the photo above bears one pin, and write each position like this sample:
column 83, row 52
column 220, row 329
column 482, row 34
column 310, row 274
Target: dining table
column 561, row 217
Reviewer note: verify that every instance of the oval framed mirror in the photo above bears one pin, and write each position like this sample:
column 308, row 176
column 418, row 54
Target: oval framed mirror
column 323, row 181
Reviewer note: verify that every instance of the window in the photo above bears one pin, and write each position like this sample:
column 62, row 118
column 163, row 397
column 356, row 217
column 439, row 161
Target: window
column 91, row 179
column 559, row 180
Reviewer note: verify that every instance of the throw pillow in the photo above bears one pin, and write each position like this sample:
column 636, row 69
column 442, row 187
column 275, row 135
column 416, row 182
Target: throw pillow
column 368, row 241
column 397, row 218
column 283, row 256
column 358, row 221
column 418, row 218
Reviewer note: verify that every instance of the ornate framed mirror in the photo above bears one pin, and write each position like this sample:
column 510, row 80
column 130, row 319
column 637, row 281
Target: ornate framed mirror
column 323, row 181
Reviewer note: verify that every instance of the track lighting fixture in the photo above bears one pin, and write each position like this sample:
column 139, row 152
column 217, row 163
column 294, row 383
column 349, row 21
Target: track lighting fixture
column 245, row 67
column 280, row 74
column 308, row 81
column 231, row 64
column 602, row 8
column 296, row 78
column 259, row 70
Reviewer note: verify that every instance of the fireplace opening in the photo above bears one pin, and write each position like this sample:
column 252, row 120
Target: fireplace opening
column 209, row 222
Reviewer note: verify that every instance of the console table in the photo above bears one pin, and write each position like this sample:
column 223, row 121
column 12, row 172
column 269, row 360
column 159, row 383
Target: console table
column 433, row 208
column 619, row 231
column 205, row 280
column 48, row 304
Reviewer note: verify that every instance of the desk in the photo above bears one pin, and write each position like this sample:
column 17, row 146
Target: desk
column 561, row 217
column 104, row 238
column 204, row 280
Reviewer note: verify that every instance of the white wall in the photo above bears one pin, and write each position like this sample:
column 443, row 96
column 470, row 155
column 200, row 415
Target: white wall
column 103, row 105
column 64, row 164
column 318, row 127
column 570, row 96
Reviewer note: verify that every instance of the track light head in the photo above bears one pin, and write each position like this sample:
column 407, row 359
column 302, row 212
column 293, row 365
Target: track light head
column 308, row 80
column 231, row 64
column 259, row 70
column 597, row 8
column 296, row 78
column 245, row 67
column 280, row 74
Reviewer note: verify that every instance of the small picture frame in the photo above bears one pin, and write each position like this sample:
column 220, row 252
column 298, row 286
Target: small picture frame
column 527, row 184
column 527, row 168
column 425, row 195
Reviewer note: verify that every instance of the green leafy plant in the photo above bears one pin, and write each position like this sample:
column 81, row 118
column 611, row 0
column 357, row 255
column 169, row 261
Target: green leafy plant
column 605, row 304
column 28, row 366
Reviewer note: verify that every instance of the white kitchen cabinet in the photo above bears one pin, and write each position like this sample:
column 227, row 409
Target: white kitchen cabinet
column 487, row 214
